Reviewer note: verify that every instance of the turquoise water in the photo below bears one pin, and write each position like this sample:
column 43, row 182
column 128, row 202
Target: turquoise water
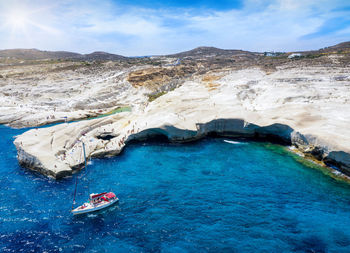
column 209, row 196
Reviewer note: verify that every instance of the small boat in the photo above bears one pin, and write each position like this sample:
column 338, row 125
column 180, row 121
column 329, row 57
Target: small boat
column 96, row 202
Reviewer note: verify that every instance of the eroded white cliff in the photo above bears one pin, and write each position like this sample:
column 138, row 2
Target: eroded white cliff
column 307, row 106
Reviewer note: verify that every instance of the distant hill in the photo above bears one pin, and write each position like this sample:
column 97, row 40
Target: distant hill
column 103, row 56
column 209, row 51
column 338, row 47
column 199, row 52
column 213, row 51
column 35, row 54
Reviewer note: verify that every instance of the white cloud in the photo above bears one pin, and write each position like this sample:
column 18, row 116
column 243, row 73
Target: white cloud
column 124, row 24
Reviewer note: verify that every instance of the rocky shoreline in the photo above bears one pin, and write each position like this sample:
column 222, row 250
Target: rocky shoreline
column 230, row 128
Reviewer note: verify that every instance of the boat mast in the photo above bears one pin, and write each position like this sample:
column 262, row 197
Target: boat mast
column 75, row 191
column 84, row 154
column 76, row 179
column 88, row 182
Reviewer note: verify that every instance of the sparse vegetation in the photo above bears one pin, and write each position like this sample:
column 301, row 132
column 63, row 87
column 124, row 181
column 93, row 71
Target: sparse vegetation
column 154, row 96
column 307, row 56
column 119, row 109
column 312, row 56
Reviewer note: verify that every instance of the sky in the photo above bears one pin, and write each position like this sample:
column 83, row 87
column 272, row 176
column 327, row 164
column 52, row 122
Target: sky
column 149, row 27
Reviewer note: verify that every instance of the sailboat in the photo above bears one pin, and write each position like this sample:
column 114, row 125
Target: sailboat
column 96, row 201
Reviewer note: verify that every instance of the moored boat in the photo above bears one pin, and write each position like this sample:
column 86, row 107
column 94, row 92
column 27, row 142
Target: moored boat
column 96, row 202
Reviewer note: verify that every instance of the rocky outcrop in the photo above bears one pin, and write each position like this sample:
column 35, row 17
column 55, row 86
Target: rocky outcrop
column 340, row 160
column 33, row 162
column 312, row 146
column 50, row 93
column 233, row 128
column 156, row 78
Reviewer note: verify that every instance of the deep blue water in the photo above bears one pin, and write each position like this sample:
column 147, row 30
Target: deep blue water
column 209, row 196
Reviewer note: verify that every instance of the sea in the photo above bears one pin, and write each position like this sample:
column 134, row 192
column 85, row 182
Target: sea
column 213, row 195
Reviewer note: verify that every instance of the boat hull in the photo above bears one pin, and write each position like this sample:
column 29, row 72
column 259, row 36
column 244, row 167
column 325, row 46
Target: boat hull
column 94, row 208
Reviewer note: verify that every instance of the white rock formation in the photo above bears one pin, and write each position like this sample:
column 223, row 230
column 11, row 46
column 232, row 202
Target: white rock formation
column 306, row 106
column 36, row 95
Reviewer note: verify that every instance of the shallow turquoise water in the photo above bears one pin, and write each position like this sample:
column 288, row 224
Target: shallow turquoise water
column 209, row 196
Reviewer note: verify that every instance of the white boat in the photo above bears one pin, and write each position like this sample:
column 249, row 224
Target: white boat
column 96, row 202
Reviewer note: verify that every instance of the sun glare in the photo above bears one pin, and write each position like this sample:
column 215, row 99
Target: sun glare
column 23, row 21
column 17, row 20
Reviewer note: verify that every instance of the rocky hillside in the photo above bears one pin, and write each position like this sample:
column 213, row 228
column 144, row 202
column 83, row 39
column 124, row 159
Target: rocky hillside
column 34, row 54
column 341, row 47
column 211, row 52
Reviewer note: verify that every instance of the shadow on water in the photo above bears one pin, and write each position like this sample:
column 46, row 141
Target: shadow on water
column 312, row 243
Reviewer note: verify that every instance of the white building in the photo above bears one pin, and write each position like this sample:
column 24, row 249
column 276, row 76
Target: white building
column 294, row 55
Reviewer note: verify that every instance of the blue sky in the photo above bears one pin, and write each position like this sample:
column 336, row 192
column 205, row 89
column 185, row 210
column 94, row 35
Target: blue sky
column 147, row 27
column 194, row 4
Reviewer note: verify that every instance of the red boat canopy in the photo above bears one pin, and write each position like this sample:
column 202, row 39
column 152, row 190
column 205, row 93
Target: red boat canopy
column 98, row 195
column 110, row 195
